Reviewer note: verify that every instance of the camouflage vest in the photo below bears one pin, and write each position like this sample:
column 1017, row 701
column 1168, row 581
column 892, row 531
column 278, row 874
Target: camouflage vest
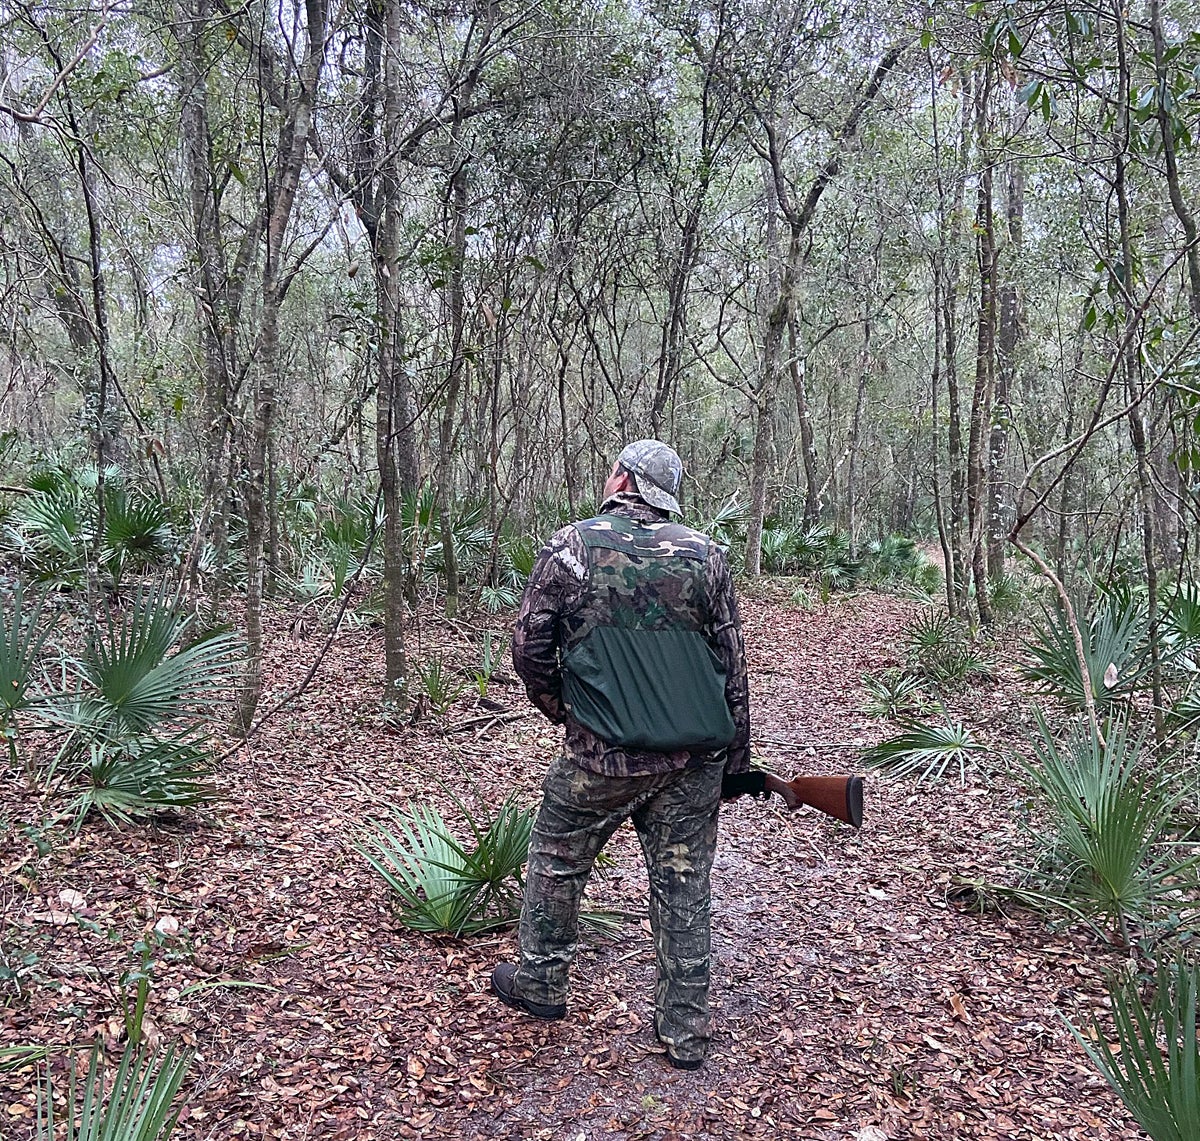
column 637, row 668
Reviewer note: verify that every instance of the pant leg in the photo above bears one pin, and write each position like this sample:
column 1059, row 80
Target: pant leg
column 579, row 812
column 677, row 827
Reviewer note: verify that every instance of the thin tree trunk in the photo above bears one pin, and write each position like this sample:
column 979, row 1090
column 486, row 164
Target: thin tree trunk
column 1137, row 424
column 860, row 399
column 294, row 139
column 981, row 401
column 1167, row 135
column 1006, row 367
column 808, row 443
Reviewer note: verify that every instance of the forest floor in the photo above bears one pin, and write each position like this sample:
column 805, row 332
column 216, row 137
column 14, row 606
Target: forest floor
column 856, row 993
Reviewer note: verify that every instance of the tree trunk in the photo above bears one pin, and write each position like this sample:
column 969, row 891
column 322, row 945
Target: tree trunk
column 293, row 145
column 1131, row 365
column 808, row 443
column 981, row 401
column 1006, row 367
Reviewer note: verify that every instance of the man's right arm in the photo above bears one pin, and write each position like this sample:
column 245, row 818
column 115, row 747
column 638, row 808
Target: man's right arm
column 554, row 586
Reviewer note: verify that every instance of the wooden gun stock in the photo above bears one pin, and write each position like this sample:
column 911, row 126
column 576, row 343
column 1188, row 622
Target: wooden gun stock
column 841, row 797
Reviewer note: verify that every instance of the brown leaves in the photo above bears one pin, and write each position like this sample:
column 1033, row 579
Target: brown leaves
column 849, row 999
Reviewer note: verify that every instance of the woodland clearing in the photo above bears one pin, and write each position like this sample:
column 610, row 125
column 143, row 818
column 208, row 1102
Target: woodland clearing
column 857, row 994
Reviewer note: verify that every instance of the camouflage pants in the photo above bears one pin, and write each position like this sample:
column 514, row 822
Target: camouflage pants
column 675, row 815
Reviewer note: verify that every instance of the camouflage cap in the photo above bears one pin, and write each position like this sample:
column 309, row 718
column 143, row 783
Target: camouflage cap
column 657, row 471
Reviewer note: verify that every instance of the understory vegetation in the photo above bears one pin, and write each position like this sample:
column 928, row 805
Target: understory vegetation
column 320, row 316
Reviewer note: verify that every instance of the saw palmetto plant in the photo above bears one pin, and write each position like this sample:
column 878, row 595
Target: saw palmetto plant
column 927, row 751
column 136, row 1103
column 135, row 715
column 1107, row 849
column 1154, row 1063
column 443, row 884
column 22, row 636
column 446, row 885
column 1114, row 648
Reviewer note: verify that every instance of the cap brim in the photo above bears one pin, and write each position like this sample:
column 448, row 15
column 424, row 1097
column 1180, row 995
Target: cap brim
column 655, row 496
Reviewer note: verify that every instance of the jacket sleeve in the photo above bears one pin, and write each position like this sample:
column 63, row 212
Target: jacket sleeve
column 726, row 635
column 554, row 585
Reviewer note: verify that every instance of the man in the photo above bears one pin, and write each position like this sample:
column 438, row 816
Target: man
column 628, row 635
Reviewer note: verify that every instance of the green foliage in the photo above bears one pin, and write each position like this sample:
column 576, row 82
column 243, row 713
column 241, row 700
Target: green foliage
column 897, row 561
column 1184, row 713
column 135, row 1104
column 1155, row 1069
column 443, row 886
column 334, row 545
column 132, row 707
column 52, row 530
column 21, row 639
column 521, row 553
column 727, row 525
column 1114, row 635
column 1007, row 594
column 439, row 684
column 142, row 672
column 490, row 656
column 788, row 549
column 927, row 750
column 1179, row 625
column 131, row 781
column 137, row 533
column 893, row 694
column 939, row 650
column 1107, row 851
column 801, row 599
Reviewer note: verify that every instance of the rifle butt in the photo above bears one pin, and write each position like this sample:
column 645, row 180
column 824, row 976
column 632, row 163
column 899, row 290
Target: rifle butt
column 840, row 797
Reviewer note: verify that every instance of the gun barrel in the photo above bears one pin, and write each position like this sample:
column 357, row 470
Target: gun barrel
column 841, row 797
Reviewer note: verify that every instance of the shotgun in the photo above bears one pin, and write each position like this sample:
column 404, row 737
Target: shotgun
column 840, row 797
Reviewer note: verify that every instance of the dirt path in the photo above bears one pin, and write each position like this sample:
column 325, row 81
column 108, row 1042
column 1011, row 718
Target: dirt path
column 852, row 998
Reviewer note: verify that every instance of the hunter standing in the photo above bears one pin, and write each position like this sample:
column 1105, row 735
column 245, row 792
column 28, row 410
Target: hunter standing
column 628, row 635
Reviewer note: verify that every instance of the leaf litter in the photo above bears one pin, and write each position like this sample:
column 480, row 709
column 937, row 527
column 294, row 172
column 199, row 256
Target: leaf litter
column 854, row 995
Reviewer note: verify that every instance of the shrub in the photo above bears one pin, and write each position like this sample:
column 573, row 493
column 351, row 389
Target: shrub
column 939, row 649
column 893, row 694
column 135, row 1104
column 1107, row 852
column 1114, row 635
column 443, row 886
column 1155, row 1069
column 21, row 639
column 136, row 714
column 439, row 684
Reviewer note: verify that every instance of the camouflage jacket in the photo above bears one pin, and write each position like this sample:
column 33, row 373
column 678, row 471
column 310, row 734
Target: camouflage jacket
column 553, row 617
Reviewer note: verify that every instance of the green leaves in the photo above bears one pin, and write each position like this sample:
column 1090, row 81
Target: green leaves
column 926, row 750
column 132, row 708
column 1155, row 1069
column 441, row 885
column 1114, row 636
column 1106, row 851
column 137, row 673
column 135, row 1104
column 21, row 639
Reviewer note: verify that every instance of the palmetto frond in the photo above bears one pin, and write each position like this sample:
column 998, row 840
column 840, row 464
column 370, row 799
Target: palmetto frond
column 135, row 1104
column 1114, row 636
column 137, row 673
column 1155, row 1069
column 1108, row 820
column 926, row 750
